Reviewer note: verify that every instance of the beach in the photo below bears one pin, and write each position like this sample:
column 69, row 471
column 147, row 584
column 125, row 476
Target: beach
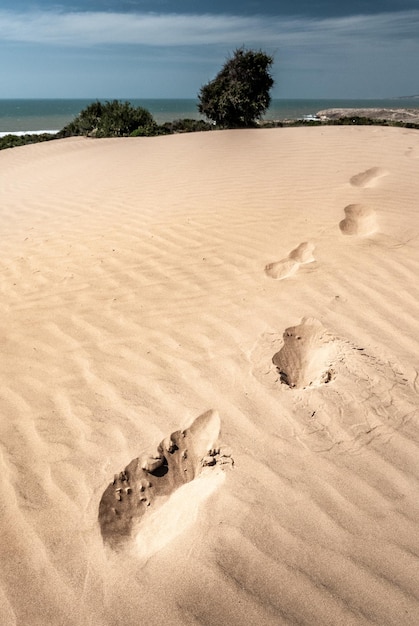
column 209, row 379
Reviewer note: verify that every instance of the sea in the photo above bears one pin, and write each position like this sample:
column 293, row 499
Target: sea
column 19, row 116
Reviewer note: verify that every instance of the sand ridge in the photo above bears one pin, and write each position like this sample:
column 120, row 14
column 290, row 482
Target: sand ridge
column 134, row 297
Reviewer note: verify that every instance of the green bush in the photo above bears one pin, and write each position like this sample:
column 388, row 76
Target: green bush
column 149, row 131
column 110, row 119
column 239, row 94
column 186, row 125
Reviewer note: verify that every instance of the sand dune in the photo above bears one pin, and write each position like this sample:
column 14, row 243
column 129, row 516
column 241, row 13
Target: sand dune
column 136, row 294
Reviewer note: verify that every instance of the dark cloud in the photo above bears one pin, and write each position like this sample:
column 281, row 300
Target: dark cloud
column 306, row 8
column 355, row 55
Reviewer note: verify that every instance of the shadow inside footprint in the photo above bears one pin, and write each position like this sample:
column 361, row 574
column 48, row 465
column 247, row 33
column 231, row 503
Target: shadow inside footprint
column 368, row 178
column 303, row 253
column 288, row 266
column 412, row 153
column 147, row 481
column 281, row 269
column 306, row 356
column 359, row 220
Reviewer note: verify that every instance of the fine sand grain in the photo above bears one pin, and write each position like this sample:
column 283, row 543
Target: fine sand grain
column 254, row 293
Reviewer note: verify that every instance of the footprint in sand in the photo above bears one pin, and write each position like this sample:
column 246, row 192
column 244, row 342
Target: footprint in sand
column 368, row 397
column 148, row 482
column 359, row 220
column 412, row 153
column 306, row 357
column 368, row 178
column 288, row 266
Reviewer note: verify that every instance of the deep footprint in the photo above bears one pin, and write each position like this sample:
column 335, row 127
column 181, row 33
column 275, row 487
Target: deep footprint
column 146, row 481
column 289, row 266
column 367, row 397
column 307, row 354
column 359, row 220
column 368, row 178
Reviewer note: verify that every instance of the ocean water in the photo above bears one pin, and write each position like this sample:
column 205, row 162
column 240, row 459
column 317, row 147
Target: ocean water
column 51, row 115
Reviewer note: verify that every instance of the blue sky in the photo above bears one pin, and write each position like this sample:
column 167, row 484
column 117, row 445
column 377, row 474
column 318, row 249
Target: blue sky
column 169, row 48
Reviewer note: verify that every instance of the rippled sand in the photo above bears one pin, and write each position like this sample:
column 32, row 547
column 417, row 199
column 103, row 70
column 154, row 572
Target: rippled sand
column 269, row 275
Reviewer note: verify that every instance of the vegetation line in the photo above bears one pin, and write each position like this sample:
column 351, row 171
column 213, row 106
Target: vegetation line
column 237, row 97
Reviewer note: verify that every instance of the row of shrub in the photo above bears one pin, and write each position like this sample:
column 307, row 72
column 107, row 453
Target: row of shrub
column 12, row 141
column 341, row 121
column 369, row 121
column 120, row 119
column 111, row 119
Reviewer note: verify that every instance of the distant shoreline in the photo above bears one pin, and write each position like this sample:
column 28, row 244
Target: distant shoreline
column 376, row 114
column 34, row 115
column 394, row 115
column 22, row 133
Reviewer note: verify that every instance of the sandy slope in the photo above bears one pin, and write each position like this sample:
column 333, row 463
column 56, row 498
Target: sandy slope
column 145, row 281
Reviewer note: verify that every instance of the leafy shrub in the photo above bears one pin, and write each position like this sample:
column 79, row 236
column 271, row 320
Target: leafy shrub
column 149, row 131
column 239, row 94
column 110, row 119
column 187, row 125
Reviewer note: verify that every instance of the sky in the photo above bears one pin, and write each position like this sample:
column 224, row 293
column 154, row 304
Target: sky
column 170, row 48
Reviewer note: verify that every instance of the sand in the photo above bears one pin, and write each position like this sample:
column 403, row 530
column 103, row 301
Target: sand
column 253, row 293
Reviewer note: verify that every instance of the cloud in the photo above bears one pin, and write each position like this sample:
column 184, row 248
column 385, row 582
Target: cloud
column 93, row 28
column 164, row 30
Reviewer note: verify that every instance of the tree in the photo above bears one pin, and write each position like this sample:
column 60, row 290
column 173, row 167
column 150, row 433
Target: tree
column 111, row 119
column 239, row 94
